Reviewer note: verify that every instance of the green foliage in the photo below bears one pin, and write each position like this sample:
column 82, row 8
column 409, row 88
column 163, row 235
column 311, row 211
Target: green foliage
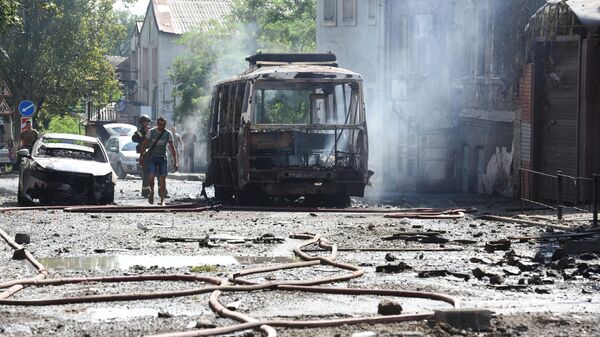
column 282, row 25
column 124, row 25
column 65, row 124
column 8, row 14
column 285, row 106
column 215, row 52
column 56, row 56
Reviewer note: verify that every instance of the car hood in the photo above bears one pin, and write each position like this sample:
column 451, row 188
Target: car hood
column 75, row 166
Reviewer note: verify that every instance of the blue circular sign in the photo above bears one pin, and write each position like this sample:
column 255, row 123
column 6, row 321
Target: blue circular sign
column 26, row 108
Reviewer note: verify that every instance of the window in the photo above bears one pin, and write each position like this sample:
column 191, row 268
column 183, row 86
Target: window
column 373, row 6
column 329, row 12
column 349, row 12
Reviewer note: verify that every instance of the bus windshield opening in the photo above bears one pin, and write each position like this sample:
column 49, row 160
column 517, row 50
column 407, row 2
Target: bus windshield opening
column 308, row 103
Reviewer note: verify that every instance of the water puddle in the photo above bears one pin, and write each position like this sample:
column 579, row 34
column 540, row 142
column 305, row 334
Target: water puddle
column 124, row 262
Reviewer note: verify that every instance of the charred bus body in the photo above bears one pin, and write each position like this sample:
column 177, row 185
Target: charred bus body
column 291, row 125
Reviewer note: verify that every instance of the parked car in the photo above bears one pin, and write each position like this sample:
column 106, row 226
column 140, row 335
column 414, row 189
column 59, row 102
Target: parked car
column 66, row 169
column 115, row 130
column 122, row 156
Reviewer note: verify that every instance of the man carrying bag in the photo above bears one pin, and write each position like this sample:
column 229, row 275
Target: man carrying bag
column 156, row 157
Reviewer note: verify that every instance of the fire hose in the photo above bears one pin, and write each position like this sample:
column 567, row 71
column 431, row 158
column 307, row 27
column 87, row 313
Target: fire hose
column 235, row 283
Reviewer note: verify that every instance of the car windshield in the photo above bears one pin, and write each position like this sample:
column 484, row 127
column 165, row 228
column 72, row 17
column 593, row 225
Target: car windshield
column 129, row 147
column 279, row 102
column 71, row 149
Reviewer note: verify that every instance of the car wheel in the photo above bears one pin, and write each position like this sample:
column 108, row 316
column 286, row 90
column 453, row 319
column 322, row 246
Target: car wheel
column 120, row 172
column 21, row 199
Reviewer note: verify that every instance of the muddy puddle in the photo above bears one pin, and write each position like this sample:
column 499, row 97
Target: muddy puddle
column 124, row 262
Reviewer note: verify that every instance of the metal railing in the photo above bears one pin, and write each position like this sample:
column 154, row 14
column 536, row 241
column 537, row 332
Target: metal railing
column 560, row 191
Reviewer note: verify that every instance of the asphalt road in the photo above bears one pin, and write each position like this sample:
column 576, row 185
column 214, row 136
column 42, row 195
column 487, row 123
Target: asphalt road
column 90, row 244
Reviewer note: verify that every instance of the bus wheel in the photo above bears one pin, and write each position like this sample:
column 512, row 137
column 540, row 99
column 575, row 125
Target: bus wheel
column 223, row 194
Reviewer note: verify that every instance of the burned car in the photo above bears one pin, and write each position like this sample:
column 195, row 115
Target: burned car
column 292, row 125
column 66, row 169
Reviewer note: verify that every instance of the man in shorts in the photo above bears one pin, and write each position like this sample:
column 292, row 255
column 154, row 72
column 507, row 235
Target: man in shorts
column 156, row 142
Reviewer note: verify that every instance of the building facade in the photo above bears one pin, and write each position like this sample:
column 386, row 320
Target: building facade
column 442, row 81
column 155, row 47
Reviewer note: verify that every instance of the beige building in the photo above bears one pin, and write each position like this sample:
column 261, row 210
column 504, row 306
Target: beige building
column 155, row 47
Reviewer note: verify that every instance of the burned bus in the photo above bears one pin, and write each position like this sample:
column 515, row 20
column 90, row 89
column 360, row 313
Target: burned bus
column 292, row 125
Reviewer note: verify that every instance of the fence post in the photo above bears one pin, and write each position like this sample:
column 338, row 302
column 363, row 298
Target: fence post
column 521, row 181
column 559, row 179
column 595, row 198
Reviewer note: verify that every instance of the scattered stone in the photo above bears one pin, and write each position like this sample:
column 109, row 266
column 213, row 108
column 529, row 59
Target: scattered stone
column 479, row 273
column 481, row 260
column 472, row 225
column 164, row 314
column 542, row 290
column 94, row 216
column 442, row 273
column 474, row 319
column 496, row 279
column 99, row 250
column 558, row 254
column 478, row 235
column 390, row 257
column 371, row 227
column 387, row 308
column 205, row 324
column 417, row 226
column 588, row 256
column 313, row 214
column 535, row 280
column 512, row 271
column 56, row 235
column 364, row 334
column 400, row 267
column 234, row 306
column 22, row 238
column 565, row 263
column 19, row 254
column 493, row 246
column 526, row 266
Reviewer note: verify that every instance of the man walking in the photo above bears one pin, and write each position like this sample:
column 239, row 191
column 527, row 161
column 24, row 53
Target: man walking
column 29, row 136
column 156, row 142
column 177, row 142
column 138, row 137
column 189, row 143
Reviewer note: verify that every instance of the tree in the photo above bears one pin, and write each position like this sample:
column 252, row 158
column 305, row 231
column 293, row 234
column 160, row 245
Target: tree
column 125, row 23
column 282, row 25
column 8, row 14
column 65, row 124
column 56, row 56
column 217, row 51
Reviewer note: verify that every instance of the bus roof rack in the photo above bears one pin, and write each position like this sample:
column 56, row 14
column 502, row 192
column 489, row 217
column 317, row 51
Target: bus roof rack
column 274, row 59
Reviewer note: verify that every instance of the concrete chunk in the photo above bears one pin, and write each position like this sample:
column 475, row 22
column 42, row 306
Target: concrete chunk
column 22, row 238
column 474, row 319
column 387, row 307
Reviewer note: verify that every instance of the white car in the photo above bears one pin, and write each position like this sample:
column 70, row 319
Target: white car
column 66, row 168
column 122, row 155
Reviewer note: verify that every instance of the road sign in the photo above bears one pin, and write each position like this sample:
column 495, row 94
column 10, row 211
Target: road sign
column 26, row 108
column 4, row 91
column 24, row 120
column 4, row 108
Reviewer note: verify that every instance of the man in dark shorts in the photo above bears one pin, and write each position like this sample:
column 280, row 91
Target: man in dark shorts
column 156, row 142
